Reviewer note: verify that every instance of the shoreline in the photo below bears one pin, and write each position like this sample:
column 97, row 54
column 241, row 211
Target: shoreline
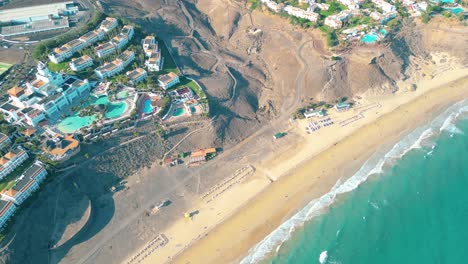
column 257, row 207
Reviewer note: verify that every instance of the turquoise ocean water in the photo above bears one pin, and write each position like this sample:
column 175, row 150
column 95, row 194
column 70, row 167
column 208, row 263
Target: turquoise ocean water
column 407, row 204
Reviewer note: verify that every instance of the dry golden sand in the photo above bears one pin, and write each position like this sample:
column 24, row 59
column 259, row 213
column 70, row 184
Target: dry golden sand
column 226, row 229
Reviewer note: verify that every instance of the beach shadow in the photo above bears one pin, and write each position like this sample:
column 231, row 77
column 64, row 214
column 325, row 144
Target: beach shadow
column 194, row 213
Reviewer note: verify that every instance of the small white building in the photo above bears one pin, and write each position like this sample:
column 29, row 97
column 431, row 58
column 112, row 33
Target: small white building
column 385, row 6
column 81, row 63
column 148, row 40
column 105, row 49
column 333, row 22
column 154, row 62
column 166, row 81
column 120, row 40
column 109, row 24
column 314, row 113
column 112, row 68
column 129, row 31
column 301, row 13
column 342, row 106
column 11, row 160
column 137, row 75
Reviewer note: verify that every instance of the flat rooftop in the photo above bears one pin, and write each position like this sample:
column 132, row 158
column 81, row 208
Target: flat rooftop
column 81, row 60
column 35, row 26
column 8, row 13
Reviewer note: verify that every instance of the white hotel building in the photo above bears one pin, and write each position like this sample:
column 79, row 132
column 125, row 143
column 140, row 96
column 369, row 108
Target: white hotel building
column 44, row 97
column 25, row 185
column 114, row 67
column 81, row 63
column 137, row 75
column 66, row 51
column 7, row 209
column 11, row 160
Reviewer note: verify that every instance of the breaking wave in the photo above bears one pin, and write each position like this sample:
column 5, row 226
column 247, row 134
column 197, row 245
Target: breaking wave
column 374, row 165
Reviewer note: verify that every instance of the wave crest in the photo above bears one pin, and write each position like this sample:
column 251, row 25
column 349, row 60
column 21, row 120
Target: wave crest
column 373, row 166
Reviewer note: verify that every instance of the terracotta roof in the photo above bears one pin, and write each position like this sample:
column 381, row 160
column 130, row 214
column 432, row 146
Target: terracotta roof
column 198, row 153
column 61, row 149
column 16, row 91
column 10, row 192
column 210, row 150
column 3, row 161
column 29, row 131
column 38, row 83
column 10, row 155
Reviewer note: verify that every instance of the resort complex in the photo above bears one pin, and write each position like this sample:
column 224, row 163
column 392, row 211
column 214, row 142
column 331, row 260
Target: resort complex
column 355, row 19
column 58, row 111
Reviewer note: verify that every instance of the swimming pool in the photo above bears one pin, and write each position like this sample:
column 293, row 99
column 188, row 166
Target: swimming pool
column 115, row 110
column 456, row 10
column 73, row 123
column 193, row 109
column 147, row 107
column 370, row 38
column 383, row 32
column 178, row 112
column 99, row 100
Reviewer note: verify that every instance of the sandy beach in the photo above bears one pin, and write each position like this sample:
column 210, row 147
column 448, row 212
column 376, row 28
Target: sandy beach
column 240, row 212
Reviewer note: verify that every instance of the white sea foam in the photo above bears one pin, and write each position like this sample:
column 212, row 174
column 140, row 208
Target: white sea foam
column 374, row 165
column 323, row 257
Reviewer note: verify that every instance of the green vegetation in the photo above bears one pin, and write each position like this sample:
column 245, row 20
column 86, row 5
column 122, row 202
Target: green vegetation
column 332, row 39
column 302, row 22
column 368, row 5
column 294, row 3
column 254, row 4
column 50, row 164
column 9, row 181
column 402, row 11
column 363, row 20
column 63, row 66
column 6, row 128
column 184, row 81
column 169, row 64
column 166, row 103
column 42, row 49
column 335, row 8
column 4, row 67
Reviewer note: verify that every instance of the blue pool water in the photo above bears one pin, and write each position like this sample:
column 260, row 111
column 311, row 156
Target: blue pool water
column 147, row 107
column 115, row 110
column 370, row 38
column 178, row 112
column 75, row 122
column 383, row 32
column 456, row 10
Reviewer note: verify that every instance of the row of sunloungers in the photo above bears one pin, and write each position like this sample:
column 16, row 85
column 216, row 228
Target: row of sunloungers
column 159, row 241
column 226, row 181
column 351, row 120
column 312, row 127
column 326, row 122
